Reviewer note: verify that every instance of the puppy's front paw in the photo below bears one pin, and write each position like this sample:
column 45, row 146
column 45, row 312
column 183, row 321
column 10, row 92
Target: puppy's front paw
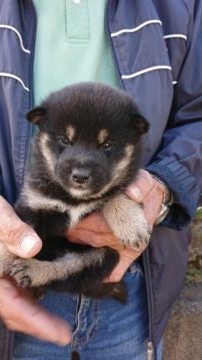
column 20, row 271
column 138, row 236
column 126, row 219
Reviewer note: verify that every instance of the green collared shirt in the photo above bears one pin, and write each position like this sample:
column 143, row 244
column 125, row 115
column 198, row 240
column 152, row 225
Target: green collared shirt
column 71, row 45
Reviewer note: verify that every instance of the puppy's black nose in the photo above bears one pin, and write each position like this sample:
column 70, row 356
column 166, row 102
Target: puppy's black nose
column 80, row 175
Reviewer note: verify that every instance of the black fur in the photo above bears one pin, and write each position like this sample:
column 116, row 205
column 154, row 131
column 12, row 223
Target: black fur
column 71, row 120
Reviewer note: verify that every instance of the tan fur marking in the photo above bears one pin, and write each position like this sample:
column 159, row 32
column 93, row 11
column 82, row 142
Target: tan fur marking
column 70, row 133
column 102, row 136
column 123, row 164
column 49, row 156
column 36, row 201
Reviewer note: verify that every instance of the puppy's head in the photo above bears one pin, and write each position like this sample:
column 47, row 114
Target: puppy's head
column 88, row 138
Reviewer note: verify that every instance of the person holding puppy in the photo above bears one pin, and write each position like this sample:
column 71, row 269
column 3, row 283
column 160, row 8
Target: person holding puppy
column 153, row 51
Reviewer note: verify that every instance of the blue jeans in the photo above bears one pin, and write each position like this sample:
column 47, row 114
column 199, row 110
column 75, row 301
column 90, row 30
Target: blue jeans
column 102, row 329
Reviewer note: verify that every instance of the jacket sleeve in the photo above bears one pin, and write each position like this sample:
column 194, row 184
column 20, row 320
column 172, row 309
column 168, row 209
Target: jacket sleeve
column 178, row 161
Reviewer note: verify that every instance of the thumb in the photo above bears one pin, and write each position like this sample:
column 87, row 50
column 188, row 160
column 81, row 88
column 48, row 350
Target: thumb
column 19, row 238
column 141, row 187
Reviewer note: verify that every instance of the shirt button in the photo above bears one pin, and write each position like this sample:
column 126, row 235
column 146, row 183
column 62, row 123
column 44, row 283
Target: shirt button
column 77, row 1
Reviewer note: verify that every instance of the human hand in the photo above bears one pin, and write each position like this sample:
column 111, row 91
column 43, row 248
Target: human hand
column 94, row 231
column 17, row 309
column 148, row 191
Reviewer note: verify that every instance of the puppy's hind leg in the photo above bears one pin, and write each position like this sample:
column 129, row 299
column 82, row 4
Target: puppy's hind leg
column 6, row 260
column 34, row 273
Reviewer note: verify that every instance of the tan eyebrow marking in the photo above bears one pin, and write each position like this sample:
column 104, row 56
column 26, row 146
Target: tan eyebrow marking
column 70, row 132
column 102, row 136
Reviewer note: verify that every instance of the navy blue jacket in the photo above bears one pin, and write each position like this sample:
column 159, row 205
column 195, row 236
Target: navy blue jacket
column 157, row 51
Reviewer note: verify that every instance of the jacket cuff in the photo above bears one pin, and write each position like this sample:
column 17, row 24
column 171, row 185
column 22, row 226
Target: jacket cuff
column 184, row 188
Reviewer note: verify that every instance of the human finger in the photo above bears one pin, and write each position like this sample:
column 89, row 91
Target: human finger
column 94, row 231
column 152, row 193
column 127, row 257
column 19, row 238
column 21, row 313
column 141, row 186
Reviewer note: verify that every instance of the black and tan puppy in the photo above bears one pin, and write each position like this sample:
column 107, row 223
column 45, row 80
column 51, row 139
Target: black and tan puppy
column 85, row 153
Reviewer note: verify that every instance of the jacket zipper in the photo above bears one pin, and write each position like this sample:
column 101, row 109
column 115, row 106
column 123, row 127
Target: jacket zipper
column 32, row 48
column 145, row 255
column 150, row 350
column 146, row 264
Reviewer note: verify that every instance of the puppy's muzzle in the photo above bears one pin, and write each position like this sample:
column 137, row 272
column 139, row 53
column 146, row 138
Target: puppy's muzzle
column 80, row 176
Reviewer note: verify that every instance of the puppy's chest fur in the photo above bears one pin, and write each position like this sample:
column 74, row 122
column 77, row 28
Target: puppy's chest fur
column 39, row 202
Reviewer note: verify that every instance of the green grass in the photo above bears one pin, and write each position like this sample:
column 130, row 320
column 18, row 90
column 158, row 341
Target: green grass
column 199, row 214
column 194, row 270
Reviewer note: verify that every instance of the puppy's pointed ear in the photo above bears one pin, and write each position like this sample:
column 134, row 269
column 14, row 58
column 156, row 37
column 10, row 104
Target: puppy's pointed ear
column 36, row 115
column 140, row 123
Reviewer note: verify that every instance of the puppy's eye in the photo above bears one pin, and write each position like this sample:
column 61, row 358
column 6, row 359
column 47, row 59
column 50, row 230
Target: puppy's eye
column 106, row 146
column 64, row 142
